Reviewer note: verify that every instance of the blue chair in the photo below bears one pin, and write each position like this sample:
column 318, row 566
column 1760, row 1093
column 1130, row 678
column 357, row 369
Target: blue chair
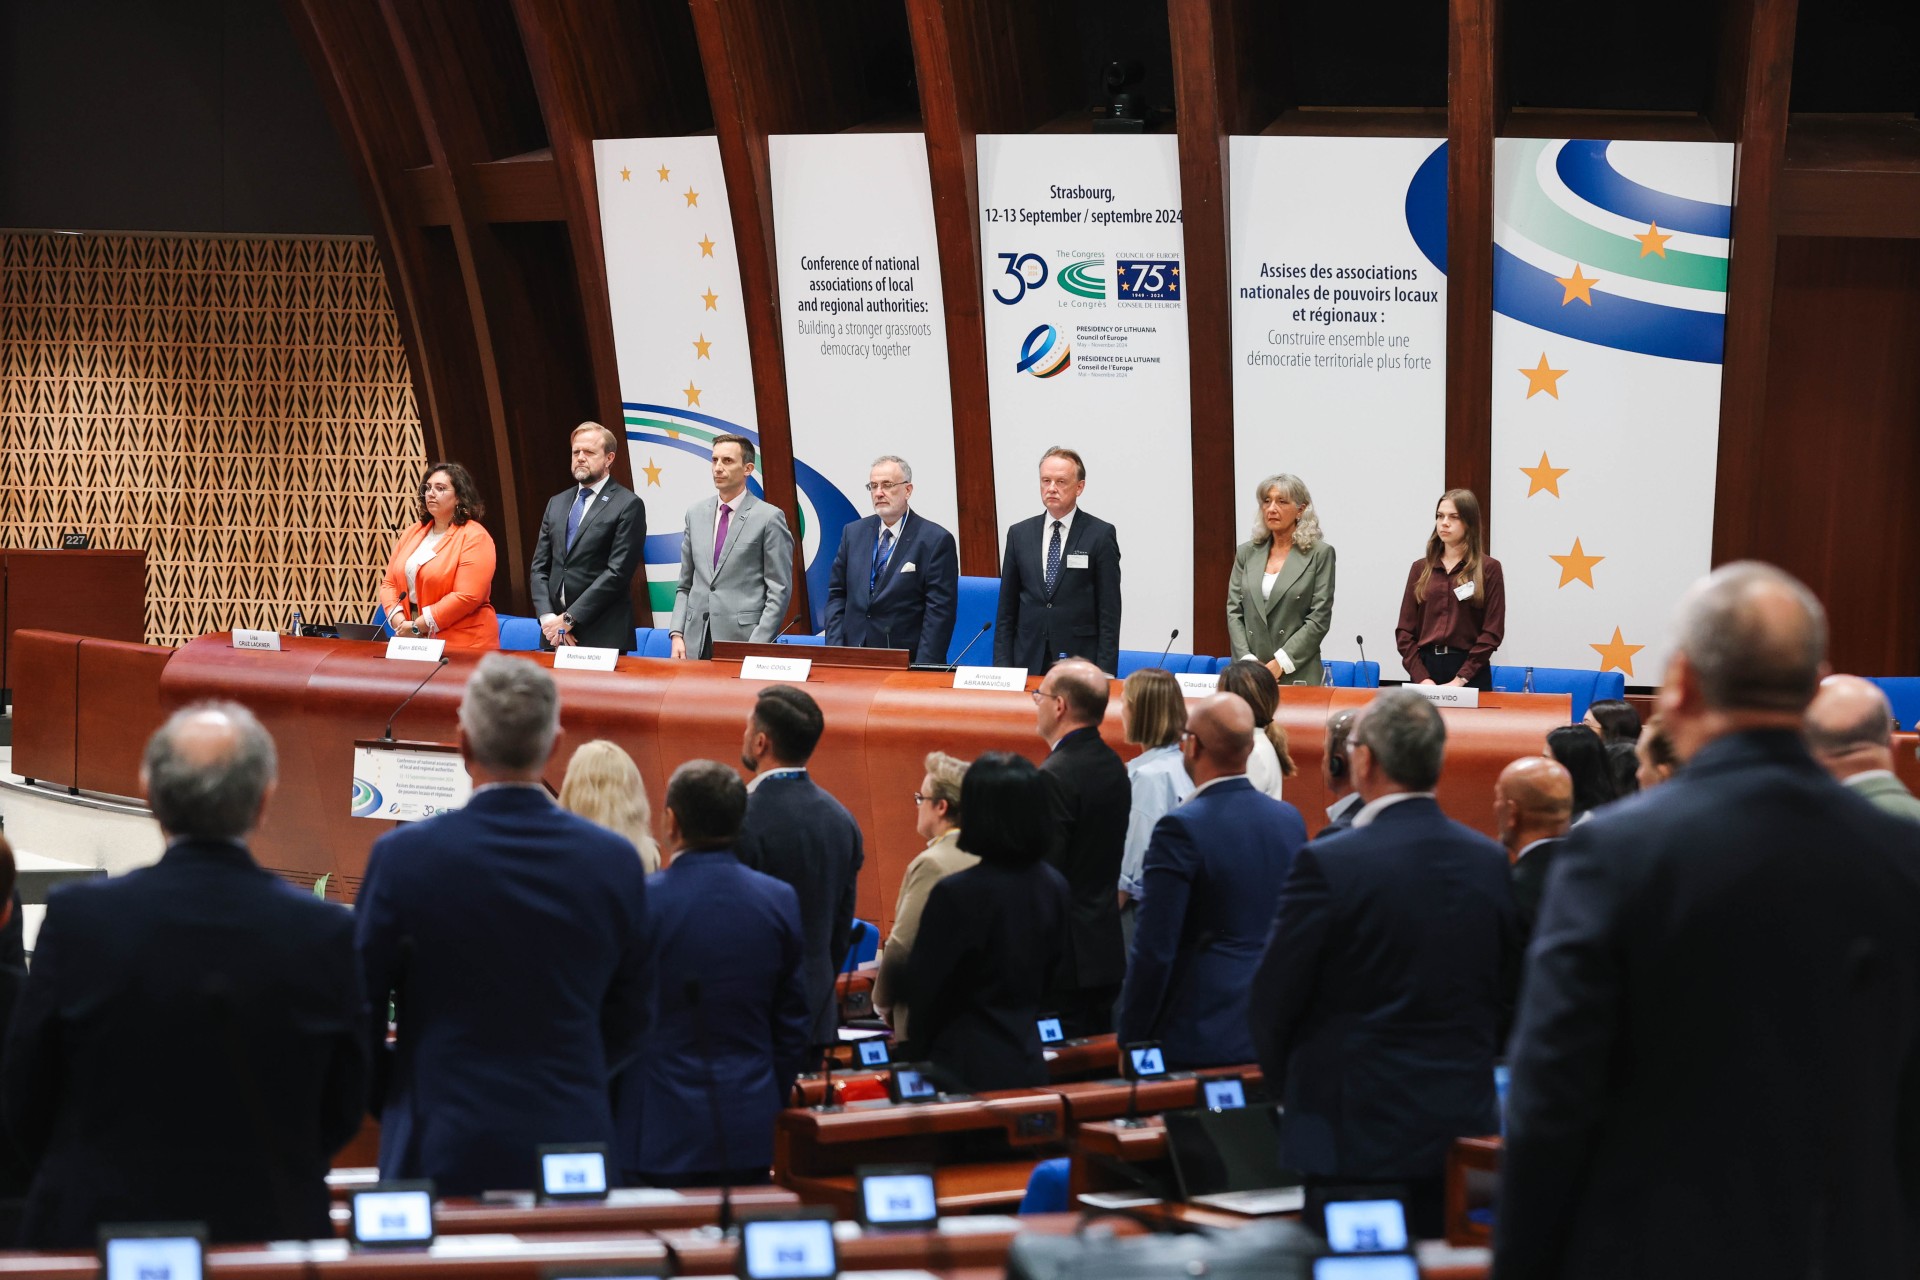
column 793, row 639
column 1047, row 1187
column 651, row 642
column 1353, row 675
column 1132, row 660
column 1586, row 687
column 1904, row 693
column 865, row 945
column 519, row 635
column 976, row 606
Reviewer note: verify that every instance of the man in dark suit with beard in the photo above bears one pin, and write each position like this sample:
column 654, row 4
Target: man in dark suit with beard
column 897, row 575
column 592, row 541
column 1059, row 579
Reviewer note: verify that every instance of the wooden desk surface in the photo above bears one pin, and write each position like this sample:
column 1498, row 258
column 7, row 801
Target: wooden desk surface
column 696, row 1207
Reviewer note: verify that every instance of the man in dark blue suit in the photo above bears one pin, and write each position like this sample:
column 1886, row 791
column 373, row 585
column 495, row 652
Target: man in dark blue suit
column 897, row 575
column 1379, row 1007
column 1059, row 579
column 1213, row 874
column 796, row 832
column 1716, row 1069
column 731, row 1026
column 511, row 937
column 189, row 1046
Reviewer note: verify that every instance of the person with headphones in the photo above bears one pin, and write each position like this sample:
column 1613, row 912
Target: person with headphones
column 1337, row 774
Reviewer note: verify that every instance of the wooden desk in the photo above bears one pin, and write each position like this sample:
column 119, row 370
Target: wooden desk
column 102, row 591
column 1096, row 1057
column 696, row 1207
column 1473, row 1183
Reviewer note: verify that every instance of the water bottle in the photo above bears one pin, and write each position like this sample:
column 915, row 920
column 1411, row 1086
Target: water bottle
column 293, row 628
column 1326, row 676
column 1526, row 685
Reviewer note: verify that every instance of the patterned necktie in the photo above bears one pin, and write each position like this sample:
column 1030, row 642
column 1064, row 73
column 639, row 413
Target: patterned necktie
column 1053, row 558
column 720, row 534
column 880, row 559
column 580, row 501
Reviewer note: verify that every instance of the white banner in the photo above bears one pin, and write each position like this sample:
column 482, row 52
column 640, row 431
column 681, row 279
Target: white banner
column 1339, row 343
column 1086, row 329
column 1609, row 293
column 865, row 327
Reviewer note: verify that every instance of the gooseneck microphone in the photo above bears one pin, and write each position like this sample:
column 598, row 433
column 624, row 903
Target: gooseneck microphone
column 692, row 992
column 1171, row 637
column 984, row 628
column 388, row 735
column 1362, row 642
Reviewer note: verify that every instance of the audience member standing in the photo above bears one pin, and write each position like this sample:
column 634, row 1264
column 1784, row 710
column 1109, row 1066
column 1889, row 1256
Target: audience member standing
column 1654, row 752
column 14, row 1173
column 796, row 832
column 1271, row 764
column 1716, row 1069
column 1378, row 1007
column 1532, row 810
column 936, row 818
column 190, row 1045
column 603, row 785
column 1850, row 728
column 1153, row 716
column 510, row 936
column 1336, row 774
column 1579, row 749
column 730, row 1019
column 1214, row 871
column 1089, row 800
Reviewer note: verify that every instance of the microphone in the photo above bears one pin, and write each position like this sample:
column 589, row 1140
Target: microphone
column 984, row 628
column 1362, row 642
column 692, row 991
column 1169, row 649
column 388, row 735
column 782, row 631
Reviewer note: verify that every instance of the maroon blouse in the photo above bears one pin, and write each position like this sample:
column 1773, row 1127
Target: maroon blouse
column 1439, row 617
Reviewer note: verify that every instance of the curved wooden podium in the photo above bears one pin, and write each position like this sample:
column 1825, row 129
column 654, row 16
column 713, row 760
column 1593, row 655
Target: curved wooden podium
column 318, row 696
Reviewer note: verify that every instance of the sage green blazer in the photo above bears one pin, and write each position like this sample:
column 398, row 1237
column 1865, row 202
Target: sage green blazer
column 1294, row 618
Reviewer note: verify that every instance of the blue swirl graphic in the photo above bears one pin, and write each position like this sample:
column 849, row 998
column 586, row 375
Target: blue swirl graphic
column 1584, row 167
column 366, row 798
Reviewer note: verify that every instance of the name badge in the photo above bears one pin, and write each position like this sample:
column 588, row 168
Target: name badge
column 1441, row 695
column 265, row 641
column 577, row 657
column 998, row 679
column 771, row 668
column 1463, row 592
column 1077, row 560
column 1195, row 685
column 415, row 649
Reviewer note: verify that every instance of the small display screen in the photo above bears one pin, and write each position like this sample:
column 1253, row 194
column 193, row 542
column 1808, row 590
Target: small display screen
column 153, row 1258
column 1358, row 1266
column 1146, row 1060
column 393, row 1217
column 899, row 1199
column 909, row 1085
column 1050, row 1032
column 873, row 1053
column 1223, row 1095
column 573, row 1174
column 788, row 1249
column 1366, row 1226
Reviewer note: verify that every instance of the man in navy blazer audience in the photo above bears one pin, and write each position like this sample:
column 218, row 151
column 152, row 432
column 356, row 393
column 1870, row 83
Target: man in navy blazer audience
column 189, row 1046
column 1059, row 578
column 730, row 1026
column 795, row 831
column 511, row 938
column 1716, row 1069
column 1213, row 874
column 897, row 575
column 592, row 541
column 1381, row 1002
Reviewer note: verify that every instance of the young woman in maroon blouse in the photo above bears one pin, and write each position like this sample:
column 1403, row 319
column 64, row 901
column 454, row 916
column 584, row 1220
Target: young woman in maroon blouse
column 1454, row 613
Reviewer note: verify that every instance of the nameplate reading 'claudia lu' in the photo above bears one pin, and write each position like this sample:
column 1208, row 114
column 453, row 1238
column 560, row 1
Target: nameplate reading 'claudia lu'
column 263, row 641
column 996, row 679
column 578, row 657
column 1193, row 684
column 1447, row 695
column 415, row 649
column 769, row 668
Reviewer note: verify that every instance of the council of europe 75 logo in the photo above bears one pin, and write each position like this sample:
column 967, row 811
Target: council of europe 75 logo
column 1148, row 279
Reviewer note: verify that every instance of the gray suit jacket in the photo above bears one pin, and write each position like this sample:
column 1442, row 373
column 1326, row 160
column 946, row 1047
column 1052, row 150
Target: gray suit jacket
column 1295, row 617
column 1890, row 795
column 745, row 595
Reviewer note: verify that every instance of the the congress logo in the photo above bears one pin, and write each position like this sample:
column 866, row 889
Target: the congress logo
column 366, row 798
column 1044, row 353
column 1083, row 279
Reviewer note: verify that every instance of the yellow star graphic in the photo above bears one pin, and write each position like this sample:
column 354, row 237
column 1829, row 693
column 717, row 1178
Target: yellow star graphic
column 653, row 473
column 700, row 345
column 662, row 171
column 692, row 394
column 1616, row 654
column 626, row 175
column 1544, row 478
column 1543, row 378
column 706, row 246
column 711, row 298
column 1576, row 286
column 1576, row 565
column 693, row 197
column 1653, row 240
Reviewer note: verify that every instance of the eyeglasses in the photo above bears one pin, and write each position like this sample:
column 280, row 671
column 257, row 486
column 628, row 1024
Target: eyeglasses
column 886, row 486
column 1038, row 694
column 918, row 799
column 1198, row 740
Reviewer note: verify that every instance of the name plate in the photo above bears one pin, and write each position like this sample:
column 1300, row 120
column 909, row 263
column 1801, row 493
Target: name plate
column 787, row 670
column 574, row 657
column 415, row 649
column 997, row 679
column 1197, row 685
column 264, row 641
column 1441, row 695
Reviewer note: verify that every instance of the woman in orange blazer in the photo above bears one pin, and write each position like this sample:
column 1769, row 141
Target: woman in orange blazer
column 440, row 579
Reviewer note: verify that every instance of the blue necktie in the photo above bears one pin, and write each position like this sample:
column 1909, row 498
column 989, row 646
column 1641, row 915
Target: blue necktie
column 580, row 502
column 880, row 559
column 1053, row 558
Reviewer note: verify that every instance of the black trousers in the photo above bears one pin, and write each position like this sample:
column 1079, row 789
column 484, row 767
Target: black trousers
column 1445, row 666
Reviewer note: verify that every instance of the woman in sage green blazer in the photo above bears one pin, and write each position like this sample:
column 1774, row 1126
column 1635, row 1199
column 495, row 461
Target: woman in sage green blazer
column 1280, row 597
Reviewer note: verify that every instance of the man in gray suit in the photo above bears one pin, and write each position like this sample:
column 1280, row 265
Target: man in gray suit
column 1849, row 726
column 736, row 560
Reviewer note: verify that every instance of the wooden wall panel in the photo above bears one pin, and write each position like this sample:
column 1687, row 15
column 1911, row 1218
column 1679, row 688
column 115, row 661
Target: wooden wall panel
column 1475, row 114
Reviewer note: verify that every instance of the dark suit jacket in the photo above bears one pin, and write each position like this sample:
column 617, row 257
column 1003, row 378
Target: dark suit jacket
column 795, row 831
column 592, row 581
column 1342, row 823
column 1091, row 800
column 188, row 1048
column 1530, row 882
column 1213, row 876
column 1716, row 1069
column 911, row 610
column 1378, row 1007
column 1080, row 619
column 512, row 937
column 978, row 975
column 730, row 1021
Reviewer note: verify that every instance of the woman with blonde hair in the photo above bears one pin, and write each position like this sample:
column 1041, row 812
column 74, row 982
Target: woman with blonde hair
column 1280, row 594
column 1454, row 613
column 1153, row 715
column 603, row 786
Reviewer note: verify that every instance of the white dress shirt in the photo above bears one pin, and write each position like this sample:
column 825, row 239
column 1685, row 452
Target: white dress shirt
column 1046, row 537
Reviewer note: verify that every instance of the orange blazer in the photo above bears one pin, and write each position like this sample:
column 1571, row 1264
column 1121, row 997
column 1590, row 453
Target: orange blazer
column 456, row 582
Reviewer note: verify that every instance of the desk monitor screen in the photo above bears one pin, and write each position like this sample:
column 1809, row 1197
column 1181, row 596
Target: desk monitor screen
column 872, row 1053
column 575, row 1171
column 1050, row 1030
column 1233, row 1150
column 787, row 1249
column 1363, row 1266
column 393, row 1214
column 1222, row 1093
column 173, row 1251
column 1144, row 1061
column 909, row 1083
column 1366, row 1226
column 897, row 1195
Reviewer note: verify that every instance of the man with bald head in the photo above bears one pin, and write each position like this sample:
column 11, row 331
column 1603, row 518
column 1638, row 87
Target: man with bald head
column 1213, row 874
column 1532, row 810
column 188, row 1047
column 1089, row 801
column 1850, row 729
column 1716, row 1069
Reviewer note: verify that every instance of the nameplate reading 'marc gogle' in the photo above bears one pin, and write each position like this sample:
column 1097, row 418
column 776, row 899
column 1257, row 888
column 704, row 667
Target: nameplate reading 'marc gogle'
column 1447, row 695
column 785, row 670
column 996, row 679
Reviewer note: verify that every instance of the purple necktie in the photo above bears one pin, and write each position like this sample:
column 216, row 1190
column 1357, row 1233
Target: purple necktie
column 720, row 534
